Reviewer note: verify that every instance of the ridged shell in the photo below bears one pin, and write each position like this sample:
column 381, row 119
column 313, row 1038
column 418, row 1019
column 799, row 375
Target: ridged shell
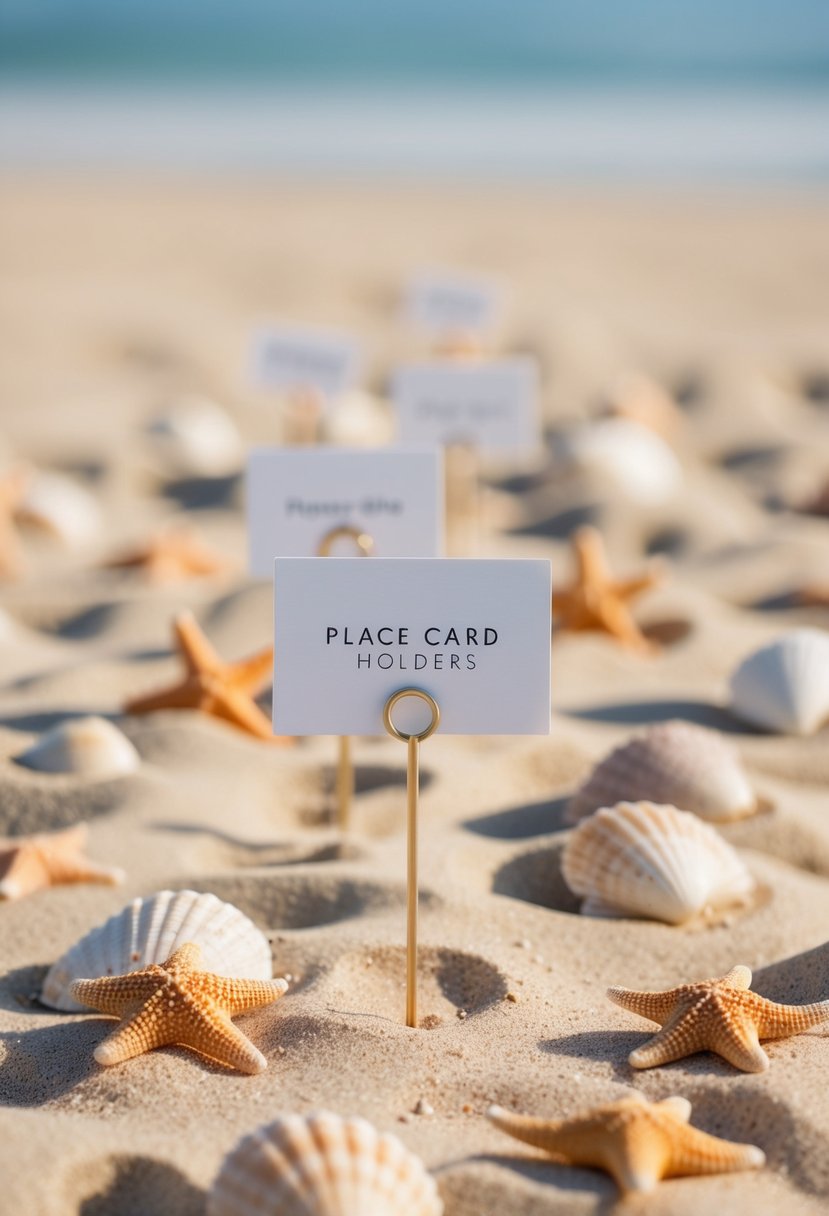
column 641, row 859
column 632, row 458
column 674, row 762
column 194, row 437
column 149, row 931
column 61, row 507
column 322, row 1165
column 90, row 746
column 784, row 686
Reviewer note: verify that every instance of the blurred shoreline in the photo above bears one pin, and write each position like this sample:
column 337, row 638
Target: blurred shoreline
column 682, row 135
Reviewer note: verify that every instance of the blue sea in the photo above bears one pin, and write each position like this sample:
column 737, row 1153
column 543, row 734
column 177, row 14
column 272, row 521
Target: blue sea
column 736, row 90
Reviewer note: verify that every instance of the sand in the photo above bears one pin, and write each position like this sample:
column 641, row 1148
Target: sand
column 119, row 294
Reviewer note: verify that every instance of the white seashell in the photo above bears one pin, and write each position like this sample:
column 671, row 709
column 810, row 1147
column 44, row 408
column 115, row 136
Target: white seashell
column 360, row 420
column 640, row 859
column 149, row 931
column 194, row 437
column 674, row 762
column 61, row 507
column 322, row 1165
column 632, row 458
column 784, row 686
column 91, row 746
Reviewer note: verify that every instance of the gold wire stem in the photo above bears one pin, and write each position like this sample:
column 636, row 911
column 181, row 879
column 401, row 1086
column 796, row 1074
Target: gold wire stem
column 363, row 541
column 345, row 783
column 463, row 497
column 412, row 742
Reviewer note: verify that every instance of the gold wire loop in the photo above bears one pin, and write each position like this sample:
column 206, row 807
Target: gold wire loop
column 422, row 696
column 362, row 540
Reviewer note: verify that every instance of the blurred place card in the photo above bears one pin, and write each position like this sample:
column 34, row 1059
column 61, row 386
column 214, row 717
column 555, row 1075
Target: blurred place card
column 474, row 634
column 297, row 496
column 492, row 405
column 287, row 357
column 444, row 304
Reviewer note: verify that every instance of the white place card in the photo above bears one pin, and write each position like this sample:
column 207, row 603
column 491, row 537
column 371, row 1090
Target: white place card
column 442, row 303
column 289, row 357
column 475, row 634
column 296, row 496
column 490, row 404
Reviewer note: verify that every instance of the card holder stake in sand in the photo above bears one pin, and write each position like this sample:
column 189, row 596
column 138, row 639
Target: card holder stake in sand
column 412, row 742
column 463, row 497
column 364, row 544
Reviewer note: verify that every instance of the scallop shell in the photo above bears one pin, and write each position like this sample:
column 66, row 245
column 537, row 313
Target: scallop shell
column 90, row 746
column 194, row 437
column 784, row 686
column 641, row 859
column 672, row 762
column 61, row 507
column 322, row 1165
column 632, row 458
column 149, row 931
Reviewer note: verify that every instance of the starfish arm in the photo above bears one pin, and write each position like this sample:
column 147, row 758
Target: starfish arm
column 680, row 1108
column 655, row 1006
column 738, row 1043
column 22, row 872
column 637, row 1162
column 673, row 1042
column 241, row 996
column 695, row 1152
column 237, row 708
column 775, row 1021
column 199, row 656
column 590, row 556
column 117, row 995
column 142, row 1032
column 737, row 977
column 80, row 869
column 180, row 696
column 252, row 673
column 212, row 1034
column 540, row 1133
column 629, row 588
column 614, row 616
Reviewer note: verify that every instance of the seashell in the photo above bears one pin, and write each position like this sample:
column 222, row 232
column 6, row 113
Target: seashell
column 90, row 746
column 784, row 686
column 149, row 931
column 359, row 420
column 674, row 762
column 641, row 859
column 60, row 507
column 322, row 1165
column 638, row 398
column 194, row 437
column 632, row 458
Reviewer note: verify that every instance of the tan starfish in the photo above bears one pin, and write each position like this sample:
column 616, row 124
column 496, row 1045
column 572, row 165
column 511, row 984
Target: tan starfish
column 598, row 602
column 172, row 554
column 12, row 489
column 176, row 1004
column 635, row 1141
column 224, row 690
column 30, row 863
column 718, row 1015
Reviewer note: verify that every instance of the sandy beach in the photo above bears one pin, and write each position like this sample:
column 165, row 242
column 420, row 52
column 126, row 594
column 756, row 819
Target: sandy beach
column 117, row 295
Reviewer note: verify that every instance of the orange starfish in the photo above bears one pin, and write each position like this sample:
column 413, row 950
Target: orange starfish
column 718, row 1015
column 30, row 863
column 598, row 602
column 635, row 1141
column 174, row 553
column 224, row 690
column 175, row 1003
column 12, row 489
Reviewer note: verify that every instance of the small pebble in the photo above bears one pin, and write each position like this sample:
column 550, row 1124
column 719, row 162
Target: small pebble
column 423, row 1108
column 467, row 1108
column 512, row 996
column 461, row 1014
